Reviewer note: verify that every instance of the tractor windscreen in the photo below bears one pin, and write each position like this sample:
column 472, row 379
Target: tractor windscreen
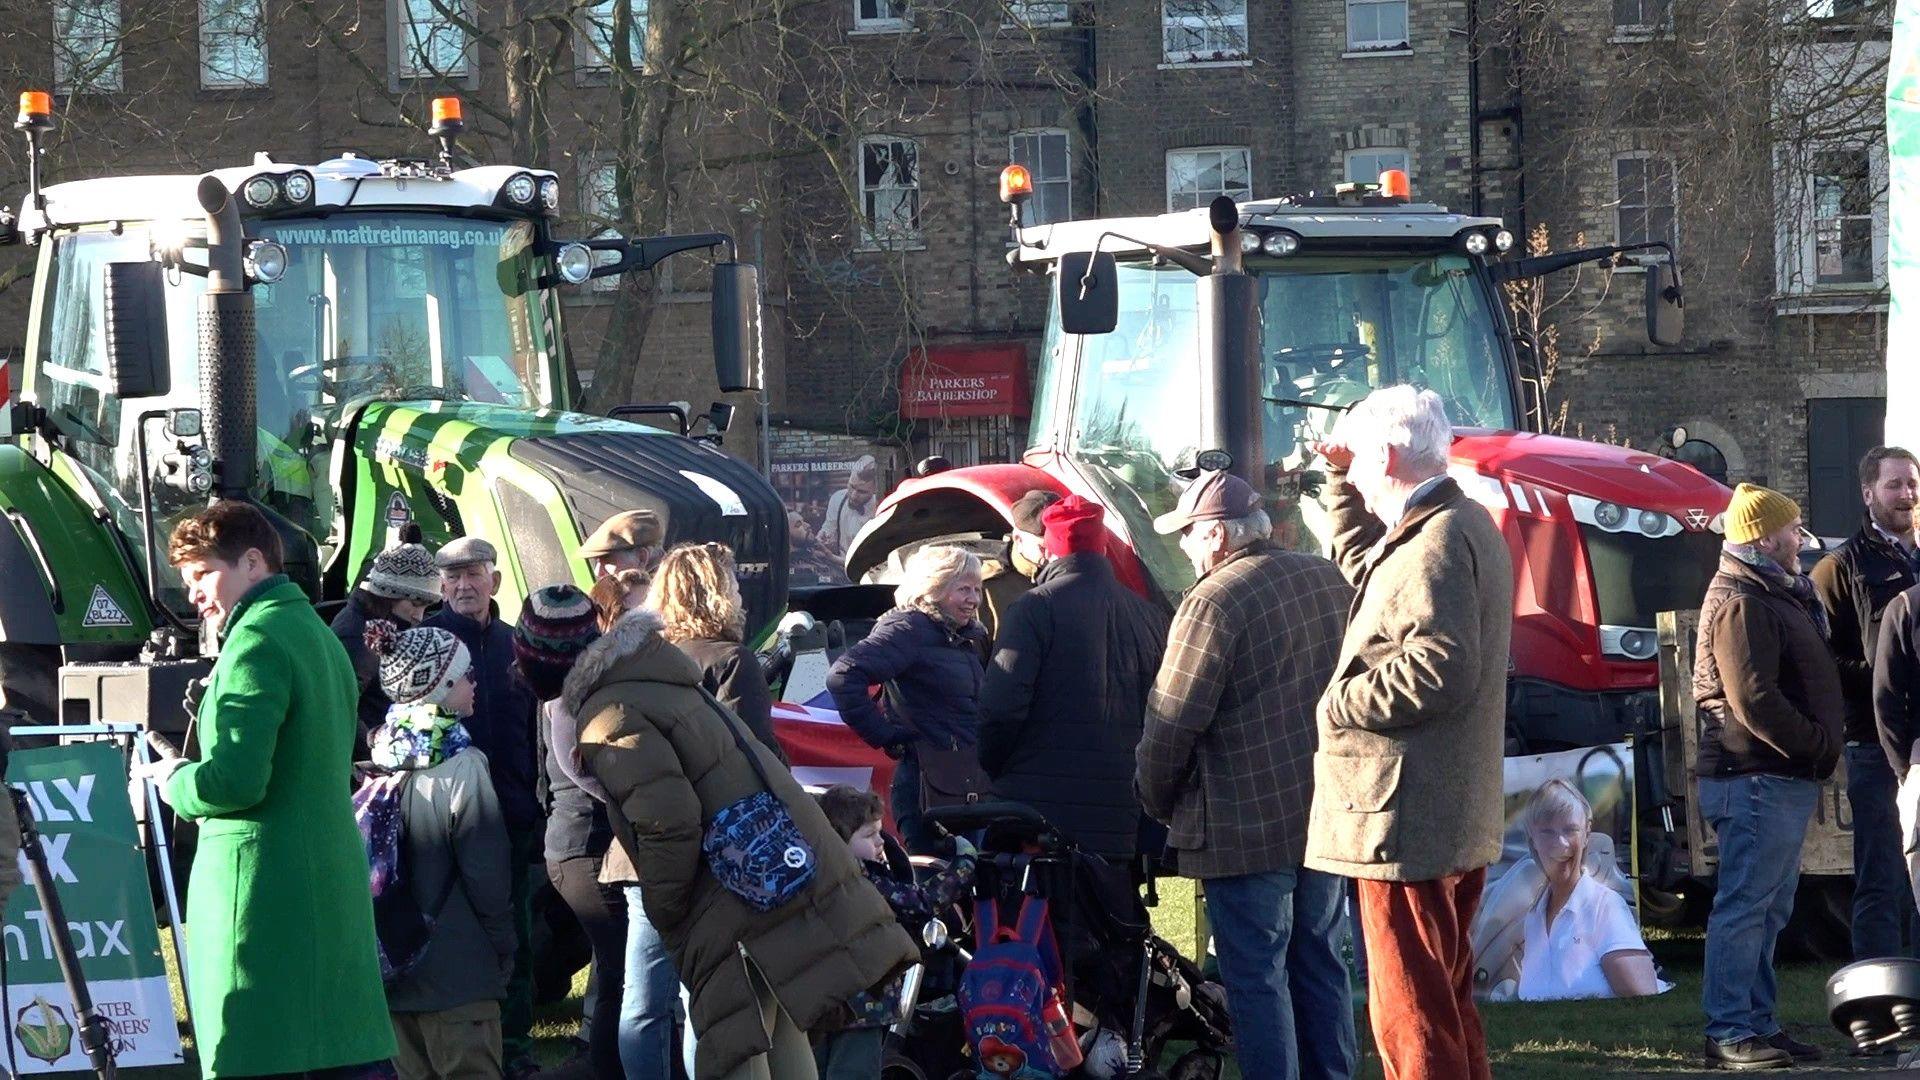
column 1332, row 328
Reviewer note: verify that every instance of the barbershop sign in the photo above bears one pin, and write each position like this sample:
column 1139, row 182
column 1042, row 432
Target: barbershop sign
column 958, row 381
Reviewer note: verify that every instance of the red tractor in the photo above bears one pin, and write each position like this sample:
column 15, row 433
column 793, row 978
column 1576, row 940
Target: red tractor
column 1235, row 335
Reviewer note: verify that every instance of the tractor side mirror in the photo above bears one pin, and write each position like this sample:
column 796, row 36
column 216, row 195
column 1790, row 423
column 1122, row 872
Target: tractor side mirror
column 136, row 338
column 1087, row 292
column 1666, row 309
column 736, row 325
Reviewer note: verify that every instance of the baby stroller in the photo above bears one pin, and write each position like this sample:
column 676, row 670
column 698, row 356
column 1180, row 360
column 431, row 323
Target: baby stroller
column 1133, row 995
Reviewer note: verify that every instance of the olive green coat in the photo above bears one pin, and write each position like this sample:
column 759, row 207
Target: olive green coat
column 669, row 764
column 283, row 973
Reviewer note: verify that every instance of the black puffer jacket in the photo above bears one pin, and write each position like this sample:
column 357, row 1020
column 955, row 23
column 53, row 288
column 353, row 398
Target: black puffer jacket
column 935, row 672
column 1855, row 582
column 350, row 626
column 1065, row 697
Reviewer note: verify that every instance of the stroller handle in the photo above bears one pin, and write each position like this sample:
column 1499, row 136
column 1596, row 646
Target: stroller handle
column 969, row 817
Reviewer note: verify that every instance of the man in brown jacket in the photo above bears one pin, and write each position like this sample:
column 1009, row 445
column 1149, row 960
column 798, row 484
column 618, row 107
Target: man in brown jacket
column 1225, row 760
column 1771, row 707
column 1407, row 784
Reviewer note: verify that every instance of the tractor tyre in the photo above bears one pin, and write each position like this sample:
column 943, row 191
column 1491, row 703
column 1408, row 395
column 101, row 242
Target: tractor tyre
column 29, row 681
column 1821, row 926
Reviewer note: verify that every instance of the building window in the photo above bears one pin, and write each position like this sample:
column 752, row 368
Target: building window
column 433, row 43
column 1196, row 175
column 1642, row 18
column 1376, row 25
column 600, row 206
column 1645, row 196
column 1034, row 14
column 1365, row 166
column 86, row 48
column 233, row 44
column 1046, row 156
column 1842, row 217
column 1203, row 31
column 593, row 42
column 1835, row 9
column 889, row 191
column 879, row 14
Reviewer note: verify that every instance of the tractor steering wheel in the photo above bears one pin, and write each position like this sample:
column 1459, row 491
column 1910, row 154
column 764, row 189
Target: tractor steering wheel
column 1323, row 356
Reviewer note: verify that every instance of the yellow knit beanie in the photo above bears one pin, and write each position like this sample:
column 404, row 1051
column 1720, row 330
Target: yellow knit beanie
column 1757, row 512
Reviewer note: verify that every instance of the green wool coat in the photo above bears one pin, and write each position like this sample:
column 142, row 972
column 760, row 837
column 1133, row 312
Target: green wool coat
column 282, row 967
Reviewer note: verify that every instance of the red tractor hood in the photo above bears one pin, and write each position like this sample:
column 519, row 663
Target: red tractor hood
column 1598, row 470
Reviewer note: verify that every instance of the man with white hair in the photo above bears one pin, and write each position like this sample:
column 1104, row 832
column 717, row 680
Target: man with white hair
column 1225, row 760
column 1407, row 783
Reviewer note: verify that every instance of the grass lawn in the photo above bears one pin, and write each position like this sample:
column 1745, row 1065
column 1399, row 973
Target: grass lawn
column 1653, row 1036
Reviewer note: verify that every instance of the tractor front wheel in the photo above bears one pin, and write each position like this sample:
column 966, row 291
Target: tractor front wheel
column 29, row 680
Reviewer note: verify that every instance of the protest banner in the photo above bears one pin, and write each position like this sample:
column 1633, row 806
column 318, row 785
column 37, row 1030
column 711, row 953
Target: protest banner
column 79, row 798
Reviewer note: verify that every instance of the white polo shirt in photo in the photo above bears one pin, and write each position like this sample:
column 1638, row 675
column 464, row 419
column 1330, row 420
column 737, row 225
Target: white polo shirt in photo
column 1565, row 963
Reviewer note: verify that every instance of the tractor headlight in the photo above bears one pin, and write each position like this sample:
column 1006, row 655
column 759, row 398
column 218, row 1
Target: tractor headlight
column 1609, row 516
column 268, row 260
column 550, row 194
column 260, row 192
column 1615, row 518
column 575, row 263
column 521, row 189
column 298, row 187
column 1249, row 242
column 1475, row 243
column 1503, row 241
column 1279, row 244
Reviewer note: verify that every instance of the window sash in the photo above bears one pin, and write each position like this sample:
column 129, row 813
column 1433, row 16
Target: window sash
column 1048, row 157
column 879, row 13
column 1195, row 176
column 1033, row 14
column 431, row 43
column 1843, row 218
column 233, row 44
column 86, row 48
column 1377, row 24
column 1646, row 201
column 889, row 190
column 1365, row 166
column 593, row 42
column 1641, row 16
column 1203, row 30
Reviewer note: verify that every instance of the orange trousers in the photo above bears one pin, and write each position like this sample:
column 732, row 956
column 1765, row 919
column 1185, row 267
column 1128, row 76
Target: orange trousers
column 1420, row 977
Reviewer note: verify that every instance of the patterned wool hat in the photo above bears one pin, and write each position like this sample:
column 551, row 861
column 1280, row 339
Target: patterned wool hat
column 404, row 572
column 417, row 666
column 557, row 623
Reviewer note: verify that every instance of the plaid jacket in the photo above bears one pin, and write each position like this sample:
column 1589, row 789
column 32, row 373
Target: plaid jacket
column 1226, row 760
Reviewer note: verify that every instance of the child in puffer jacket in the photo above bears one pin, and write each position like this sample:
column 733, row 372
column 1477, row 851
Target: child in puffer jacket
column 855, row 1051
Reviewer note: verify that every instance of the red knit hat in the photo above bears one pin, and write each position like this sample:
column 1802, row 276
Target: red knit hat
column 1074, row 524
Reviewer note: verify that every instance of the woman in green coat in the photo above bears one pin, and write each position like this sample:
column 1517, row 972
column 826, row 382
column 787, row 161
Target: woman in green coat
column 283, row 973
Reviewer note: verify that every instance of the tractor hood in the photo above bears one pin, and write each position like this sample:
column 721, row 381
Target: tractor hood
column 535, row 484
column 1598, row 470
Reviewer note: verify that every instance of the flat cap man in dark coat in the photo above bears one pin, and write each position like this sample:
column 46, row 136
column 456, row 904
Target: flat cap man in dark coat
column 1226, row 761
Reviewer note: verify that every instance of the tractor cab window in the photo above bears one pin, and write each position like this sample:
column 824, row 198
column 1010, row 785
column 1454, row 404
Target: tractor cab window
column 403, row 306
column 1332, row 329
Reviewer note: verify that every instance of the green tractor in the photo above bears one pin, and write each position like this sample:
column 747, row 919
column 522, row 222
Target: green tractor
column 353, row 346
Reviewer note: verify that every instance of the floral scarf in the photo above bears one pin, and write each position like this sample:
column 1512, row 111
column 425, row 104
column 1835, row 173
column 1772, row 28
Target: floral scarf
column 1798, row 586
column 414, row 738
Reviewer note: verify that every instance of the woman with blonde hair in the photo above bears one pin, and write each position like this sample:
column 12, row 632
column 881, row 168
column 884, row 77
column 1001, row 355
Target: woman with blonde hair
column 696, row 593
column 1579, row 938
column 929, row 653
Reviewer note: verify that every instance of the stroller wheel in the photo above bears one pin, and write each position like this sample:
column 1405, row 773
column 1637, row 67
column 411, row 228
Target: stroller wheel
column 898, row 1066
column 1198, row 1065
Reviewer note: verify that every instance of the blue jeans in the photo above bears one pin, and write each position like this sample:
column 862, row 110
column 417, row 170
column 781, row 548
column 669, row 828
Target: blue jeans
column 1760, row 822
column 915, row 831
column 1883, row 912
column 646, row 1007
column 1278, row 935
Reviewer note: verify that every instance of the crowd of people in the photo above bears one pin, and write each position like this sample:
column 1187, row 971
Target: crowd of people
column 1307, row 737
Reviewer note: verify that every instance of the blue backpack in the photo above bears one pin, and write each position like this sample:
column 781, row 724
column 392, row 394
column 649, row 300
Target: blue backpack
column 1005, row 991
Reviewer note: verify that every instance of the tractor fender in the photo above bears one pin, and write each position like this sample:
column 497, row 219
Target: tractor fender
column 977, row 499
column 63, row 579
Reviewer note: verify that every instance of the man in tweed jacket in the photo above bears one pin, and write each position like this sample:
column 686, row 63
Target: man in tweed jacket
column 1407, row 782
column 1226, row 761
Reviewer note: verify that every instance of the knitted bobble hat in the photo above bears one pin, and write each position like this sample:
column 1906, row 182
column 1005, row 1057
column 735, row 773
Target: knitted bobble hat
column 556, row 625
column 1757, row 511
column 404, row 572
column 418, row 666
